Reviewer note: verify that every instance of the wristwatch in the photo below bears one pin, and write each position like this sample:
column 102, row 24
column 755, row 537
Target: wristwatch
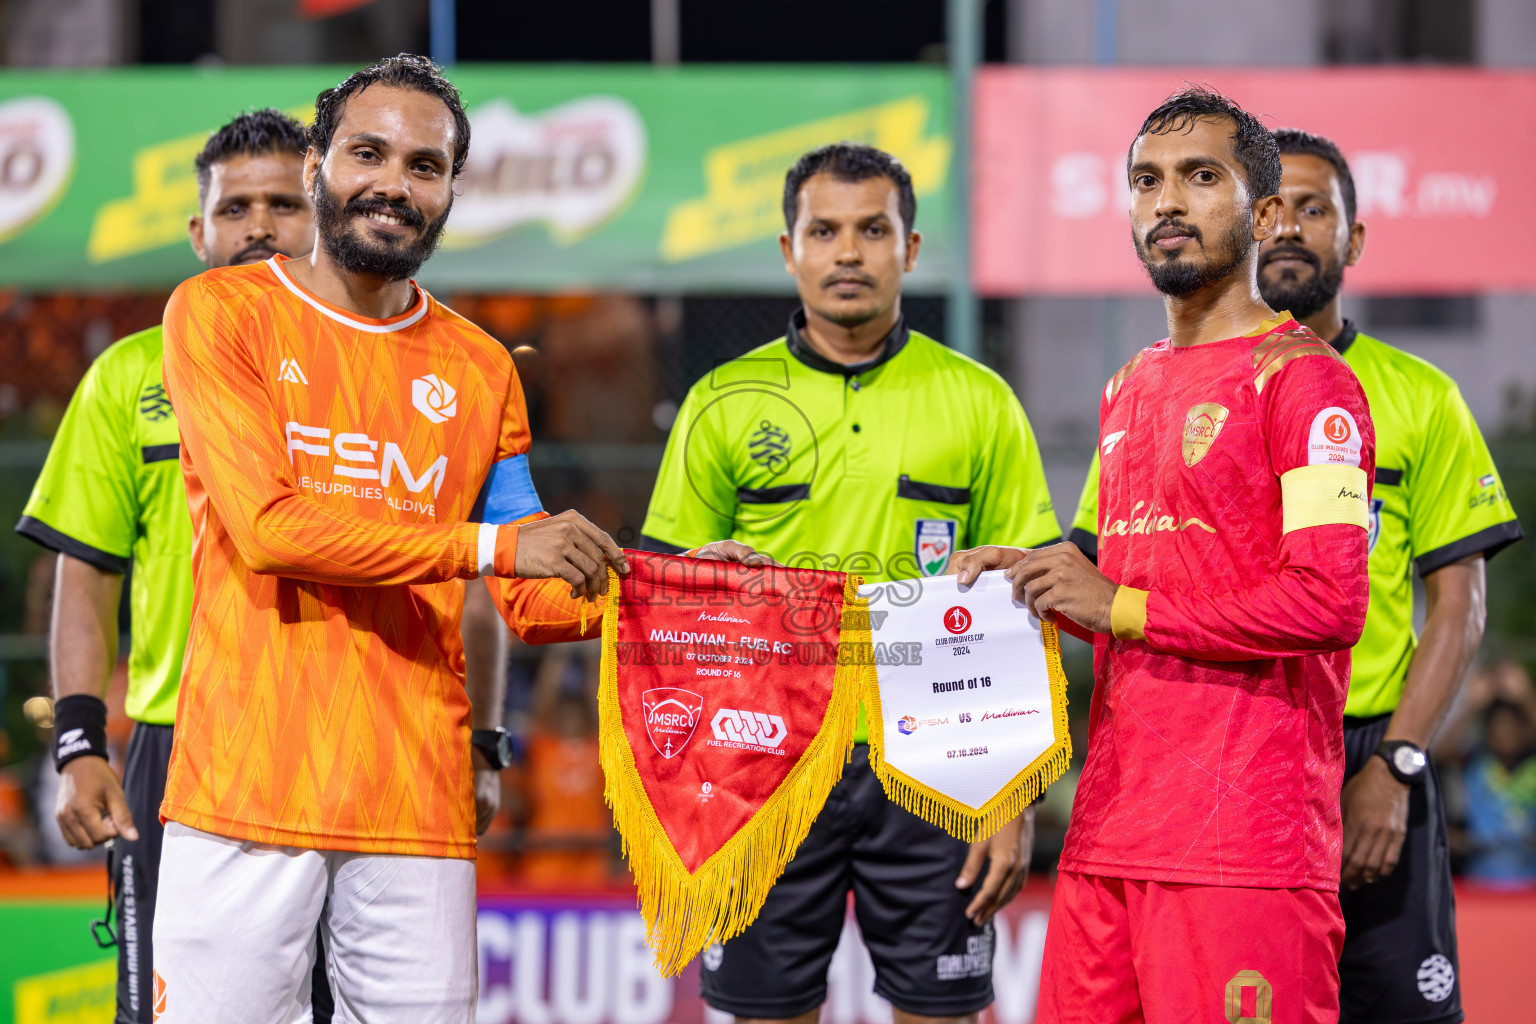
column 495, row 745
column 1406, row 761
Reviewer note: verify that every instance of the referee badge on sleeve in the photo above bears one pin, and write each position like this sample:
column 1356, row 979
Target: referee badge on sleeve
column 934, row 542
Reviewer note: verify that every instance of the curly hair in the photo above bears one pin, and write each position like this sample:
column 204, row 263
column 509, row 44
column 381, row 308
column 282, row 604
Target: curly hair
column 1252, row 143
column 405, row 71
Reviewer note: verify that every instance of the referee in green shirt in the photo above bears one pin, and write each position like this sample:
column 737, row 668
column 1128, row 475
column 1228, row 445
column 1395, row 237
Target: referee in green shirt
column 856, row 444
column 1438, row 507
column 110, row 496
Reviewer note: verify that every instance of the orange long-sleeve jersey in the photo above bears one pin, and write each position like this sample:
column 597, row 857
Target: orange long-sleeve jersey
column 343, row 474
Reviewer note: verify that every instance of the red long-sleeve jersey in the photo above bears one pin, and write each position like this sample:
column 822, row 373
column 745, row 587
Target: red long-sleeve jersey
column 1233, row 505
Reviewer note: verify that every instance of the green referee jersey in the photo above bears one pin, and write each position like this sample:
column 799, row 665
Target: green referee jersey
column 1437, row 498
column 882, row 469
column 111, row 495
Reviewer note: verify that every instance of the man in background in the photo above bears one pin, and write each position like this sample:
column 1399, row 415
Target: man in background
column 1439, row 508
column 855, row 443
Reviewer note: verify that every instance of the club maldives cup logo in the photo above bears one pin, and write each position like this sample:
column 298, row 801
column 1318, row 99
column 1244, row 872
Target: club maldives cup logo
column 957, row 620
column 671, row 716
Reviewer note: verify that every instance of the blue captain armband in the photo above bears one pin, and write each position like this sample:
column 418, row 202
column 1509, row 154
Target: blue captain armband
column 508, row 494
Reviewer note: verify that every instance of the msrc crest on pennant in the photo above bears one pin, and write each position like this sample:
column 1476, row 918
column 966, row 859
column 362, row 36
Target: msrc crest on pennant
column 671, row 715
column 1202, row 424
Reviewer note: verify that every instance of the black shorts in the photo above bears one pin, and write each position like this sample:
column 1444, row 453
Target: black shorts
column 929, row 958
column 135, row 868
column 1399, row 964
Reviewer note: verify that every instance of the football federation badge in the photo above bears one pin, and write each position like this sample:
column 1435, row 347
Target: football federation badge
column 726, row 712
column 934, row 542
column 1373, row 531
column 1202, row 425
column 977, row 722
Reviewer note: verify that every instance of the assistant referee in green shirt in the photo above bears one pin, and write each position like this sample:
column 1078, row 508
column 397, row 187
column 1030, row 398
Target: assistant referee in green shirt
column 856, row 444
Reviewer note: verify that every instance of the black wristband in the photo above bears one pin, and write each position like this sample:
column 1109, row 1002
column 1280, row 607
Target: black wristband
column 79, row 728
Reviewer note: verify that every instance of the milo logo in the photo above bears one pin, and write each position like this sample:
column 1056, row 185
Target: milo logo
column 37, row 157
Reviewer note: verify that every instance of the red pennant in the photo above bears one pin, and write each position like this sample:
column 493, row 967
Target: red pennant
column 728, row 704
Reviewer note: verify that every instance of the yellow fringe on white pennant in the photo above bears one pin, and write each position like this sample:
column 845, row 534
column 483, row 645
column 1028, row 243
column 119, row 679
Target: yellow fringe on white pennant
column 961, row 820
column 684, row 912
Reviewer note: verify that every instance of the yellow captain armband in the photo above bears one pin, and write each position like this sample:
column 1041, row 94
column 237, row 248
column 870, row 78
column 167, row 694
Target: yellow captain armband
column 1324, row 495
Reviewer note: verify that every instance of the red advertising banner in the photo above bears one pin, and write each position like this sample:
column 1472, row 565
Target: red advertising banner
column 1439, row 159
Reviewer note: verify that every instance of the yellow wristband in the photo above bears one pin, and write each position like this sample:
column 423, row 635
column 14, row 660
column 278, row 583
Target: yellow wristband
column 1128, row 615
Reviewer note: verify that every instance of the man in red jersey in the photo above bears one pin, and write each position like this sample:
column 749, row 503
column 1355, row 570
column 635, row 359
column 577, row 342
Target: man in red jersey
column 1199, row 876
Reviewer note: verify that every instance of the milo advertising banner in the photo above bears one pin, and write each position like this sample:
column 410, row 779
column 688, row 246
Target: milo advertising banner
column 579, row 177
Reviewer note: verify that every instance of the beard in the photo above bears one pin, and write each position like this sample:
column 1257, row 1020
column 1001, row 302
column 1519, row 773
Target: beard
column 379, row 256
column 1181, row 275
column 1301, row 297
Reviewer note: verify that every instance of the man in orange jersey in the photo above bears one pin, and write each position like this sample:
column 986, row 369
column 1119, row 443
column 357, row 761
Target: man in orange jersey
column 351, row 449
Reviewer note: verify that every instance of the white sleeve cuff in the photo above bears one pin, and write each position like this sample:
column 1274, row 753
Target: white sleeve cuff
column 488, row 549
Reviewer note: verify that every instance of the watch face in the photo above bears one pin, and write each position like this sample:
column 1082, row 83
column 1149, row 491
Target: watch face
column 1408, row 760
column 504, row 749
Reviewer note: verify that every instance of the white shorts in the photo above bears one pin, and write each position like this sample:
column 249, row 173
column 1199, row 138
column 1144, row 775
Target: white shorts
column 235, row 934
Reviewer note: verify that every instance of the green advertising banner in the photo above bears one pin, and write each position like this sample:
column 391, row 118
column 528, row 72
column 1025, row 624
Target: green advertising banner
column 579, row 177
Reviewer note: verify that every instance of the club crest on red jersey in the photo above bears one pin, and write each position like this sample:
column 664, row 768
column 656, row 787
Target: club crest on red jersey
column 671, row 716
column 1202, row 425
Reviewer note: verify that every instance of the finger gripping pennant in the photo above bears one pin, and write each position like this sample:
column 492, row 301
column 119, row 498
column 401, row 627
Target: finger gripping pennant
column 726, row 713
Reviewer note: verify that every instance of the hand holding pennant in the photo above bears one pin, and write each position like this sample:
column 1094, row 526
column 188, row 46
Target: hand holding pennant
column 968, row 733
column 726, row 713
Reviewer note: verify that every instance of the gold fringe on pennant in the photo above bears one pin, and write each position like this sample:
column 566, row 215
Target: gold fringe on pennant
column 684, row 912
column 961, row 820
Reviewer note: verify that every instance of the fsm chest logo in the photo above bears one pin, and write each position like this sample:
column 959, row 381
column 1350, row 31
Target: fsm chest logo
column 434, row 398
column 671, row 716
column 769, row 447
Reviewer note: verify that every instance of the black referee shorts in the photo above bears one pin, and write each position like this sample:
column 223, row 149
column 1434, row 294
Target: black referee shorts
column 929, row 958
column 135, row 868
column 1399, row 964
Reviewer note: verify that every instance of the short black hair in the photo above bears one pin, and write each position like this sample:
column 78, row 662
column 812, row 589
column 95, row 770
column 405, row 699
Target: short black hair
column 1294, row 140
column 251, row 134
column 405, row 71
column 850, row 161
column 1252, row 143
